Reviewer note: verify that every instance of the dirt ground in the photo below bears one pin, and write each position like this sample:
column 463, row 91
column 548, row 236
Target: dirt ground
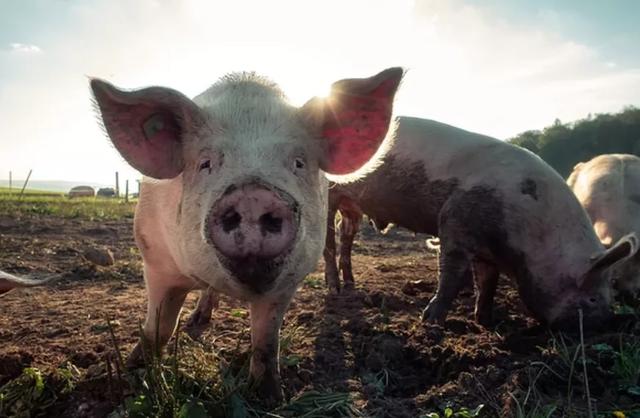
column 368, row 342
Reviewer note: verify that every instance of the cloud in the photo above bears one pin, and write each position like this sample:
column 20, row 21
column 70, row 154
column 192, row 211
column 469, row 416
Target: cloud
column 479, row 71
column 24, row 48
column 468, row 66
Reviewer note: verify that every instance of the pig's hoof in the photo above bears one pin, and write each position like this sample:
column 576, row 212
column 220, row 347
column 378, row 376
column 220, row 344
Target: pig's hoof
column 434, row 314
column 197, row 324
column 334, row 290
column 136, row 358
column 349, row 286
column 484, row 318
column 333, row 284
column 269, row 390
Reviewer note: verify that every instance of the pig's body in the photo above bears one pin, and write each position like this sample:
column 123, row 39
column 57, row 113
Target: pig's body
column 237, row 198
column 608, row 186
column 496, row 208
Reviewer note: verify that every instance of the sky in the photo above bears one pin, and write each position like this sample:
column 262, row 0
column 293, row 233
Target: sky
column 498, row 67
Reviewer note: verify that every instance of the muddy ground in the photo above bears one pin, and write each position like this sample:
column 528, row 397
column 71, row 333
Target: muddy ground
column 368, row 342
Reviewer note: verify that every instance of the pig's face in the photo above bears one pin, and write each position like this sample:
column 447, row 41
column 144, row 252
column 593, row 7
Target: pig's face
column 592, row 292
column 595, row 303
column 253, row 202
column 252, row 185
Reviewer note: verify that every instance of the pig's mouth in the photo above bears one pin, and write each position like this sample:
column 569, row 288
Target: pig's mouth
column 253, row 228
column 256, row 273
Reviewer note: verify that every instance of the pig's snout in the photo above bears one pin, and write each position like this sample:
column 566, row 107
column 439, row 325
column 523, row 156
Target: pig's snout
column 253, row 227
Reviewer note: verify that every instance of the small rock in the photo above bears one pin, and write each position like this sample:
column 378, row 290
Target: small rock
column 99, row 256
column 412, row 288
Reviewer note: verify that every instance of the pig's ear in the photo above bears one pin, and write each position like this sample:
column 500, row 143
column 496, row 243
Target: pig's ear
column 354, row 120
column 147, row 126
column 623, row 250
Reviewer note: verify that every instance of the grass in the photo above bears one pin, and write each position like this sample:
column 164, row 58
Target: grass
column 575, row 364
column 192, row 381
column 40, row 203
column 29, row 192
column 33, row 394
column 463, row 412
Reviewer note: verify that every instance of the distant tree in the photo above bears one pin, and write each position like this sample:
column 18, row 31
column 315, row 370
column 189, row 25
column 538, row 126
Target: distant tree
column 528, row 140
column 562, row 146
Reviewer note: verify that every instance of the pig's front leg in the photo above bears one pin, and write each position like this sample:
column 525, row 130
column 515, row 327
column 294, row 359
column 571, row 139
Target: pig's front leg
column 266, row 319
column 165, row 295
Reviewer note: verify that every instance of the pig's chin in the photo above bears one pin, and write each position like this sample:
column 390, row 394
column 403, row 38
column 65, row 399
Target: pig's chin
column 256, row 273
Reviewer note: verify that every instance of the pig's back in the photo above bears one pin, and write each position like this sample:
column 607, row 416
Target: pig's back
column 609, row 188
column 541, row 214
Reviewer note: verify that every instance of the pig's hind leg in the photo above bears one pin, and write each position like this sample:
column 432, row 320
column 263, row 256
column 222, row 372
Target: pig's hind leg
column 485, row 276
column 200, row 318
column 331, row 275
column 349, row 227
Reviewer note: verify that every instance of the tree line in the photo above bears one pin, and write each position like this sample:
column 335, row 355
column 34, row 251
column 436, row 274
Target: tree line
column 563, row 145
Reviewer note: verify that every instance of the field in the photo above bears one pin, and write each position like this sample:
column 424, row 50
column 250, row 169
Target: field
column 361, row 353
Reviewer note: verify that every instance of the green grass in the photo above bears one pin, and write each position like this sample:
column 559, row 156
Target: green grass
column 463, row 412
column 32, row 394
column 57, row 205
column 193, row 381
column 30, row 192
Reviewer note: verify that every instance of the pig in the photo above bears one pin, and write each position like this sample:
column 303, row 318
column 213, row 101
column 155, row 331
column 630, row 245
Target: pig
column 608, row 186
column 234, row 198
column 9, row 281
column 496, row 208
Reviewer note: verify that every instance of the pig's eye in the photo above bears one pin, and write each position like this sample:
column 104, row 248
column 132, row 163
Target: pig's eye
column 299, row 163
column 205, row 165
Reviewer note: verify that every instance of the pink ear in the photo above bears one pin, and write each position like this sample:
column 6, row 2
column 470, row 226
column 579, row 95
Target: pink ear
column 622, row 251
column 355, row 119
column 147, row 126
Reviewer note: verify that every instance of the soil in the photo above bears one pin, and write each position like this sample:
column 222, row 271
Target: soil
column 369, row 341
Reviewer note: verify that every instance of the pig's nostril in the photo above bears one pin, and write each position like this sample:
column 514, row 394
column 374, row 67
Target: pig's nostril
column 230, row 220
column 270, row 223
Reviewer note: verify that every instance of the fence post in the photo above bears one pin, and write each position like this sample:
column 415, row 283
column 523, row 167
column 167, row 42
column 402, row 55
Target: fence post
column 126, row 190
column 117, row 185
column 24, row 186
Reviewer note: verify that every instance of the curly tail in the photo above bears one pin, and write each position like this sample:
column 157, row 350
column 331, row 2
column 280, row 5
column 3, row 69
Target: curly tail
column 433, row 245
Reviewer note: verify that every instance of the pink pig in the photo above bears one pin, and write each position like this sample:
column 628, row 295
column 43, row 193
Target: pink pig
column 235, row 194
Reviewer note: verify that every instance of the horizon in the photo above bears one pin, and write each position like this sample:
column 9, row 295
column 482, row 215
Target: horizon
column 516, row 66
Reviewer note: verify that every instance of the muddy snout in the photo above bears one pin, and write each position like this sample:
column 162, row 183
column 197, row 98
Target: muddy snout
column 253, row 228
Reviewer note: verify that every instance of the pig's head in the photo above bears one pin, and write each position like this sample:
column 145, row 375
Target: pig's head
column 251, row 165
column 592, row 291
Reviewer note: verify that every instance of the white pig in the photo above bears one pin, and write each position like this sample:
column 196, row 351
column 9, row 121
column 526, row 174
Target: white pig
column 497, row 208
column 235, row 198
column 608, row 186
